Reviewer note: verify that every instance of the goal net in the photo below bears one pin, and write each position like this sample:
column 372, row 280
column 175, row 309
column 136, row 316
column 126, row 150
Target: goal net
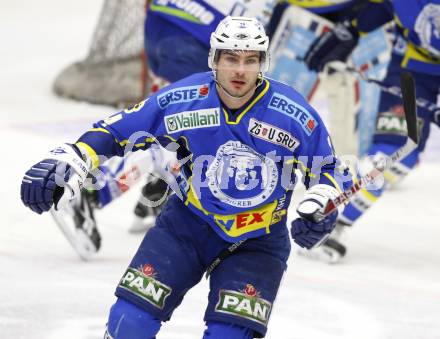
column 114, row 71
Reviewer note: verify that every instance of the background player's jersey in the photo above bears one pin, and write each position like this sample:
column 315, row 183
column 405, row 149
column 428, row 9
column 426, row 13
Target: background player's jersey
column 352, row 103
column 322, row 6
column 241, row 168
column 200, row 18
column 418, row 25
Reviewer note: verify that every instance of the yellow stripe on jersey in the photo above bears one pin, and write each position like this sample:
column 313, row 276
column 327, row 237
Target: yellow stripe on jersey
column 148, row 140
column 316, row 3
column 303, row 168
column 416, row 53
column 263, row 92
column 100, row 129
column 90, row 152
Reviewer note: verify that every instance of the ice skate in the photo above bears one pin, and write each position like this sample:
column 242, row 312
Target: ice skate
column 149, row 205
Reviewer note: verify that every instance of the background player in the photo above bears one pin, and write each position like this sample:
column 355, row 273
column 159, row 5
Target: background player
column 417, row 49
column 352, row 103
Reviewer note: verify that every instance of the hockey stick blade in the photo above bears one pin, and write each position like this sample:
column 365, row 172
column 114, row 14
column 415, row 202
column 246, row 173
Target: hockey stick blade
column 409, row 104
column 408, row 87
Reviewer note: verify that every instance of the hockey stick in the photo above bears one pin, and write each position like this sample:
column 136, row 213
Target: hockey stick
column 409, row 104
column 393, row 90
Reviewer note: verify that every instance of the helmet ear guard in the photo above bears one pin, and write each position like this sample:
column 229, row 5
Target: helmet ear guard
column 240, row 33
column 211, row 58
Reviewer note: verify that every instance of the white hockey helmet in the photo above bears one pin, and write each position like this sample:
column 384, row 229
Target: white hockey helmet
column 240, row 33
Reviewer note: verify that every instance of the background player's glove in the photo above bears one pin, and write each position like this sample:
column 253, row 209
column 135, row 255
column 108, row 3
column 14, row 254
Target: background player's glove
column 313, row 228
column 55, row 180
column 334, row 45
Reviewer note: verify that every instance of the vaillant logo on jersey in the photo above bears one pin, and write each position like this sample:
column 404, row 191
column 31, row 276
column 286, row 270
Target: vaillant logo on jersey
column 284, row 105
column 193, row 10
column 182, row 94
column 272, row 134
column 192, row 119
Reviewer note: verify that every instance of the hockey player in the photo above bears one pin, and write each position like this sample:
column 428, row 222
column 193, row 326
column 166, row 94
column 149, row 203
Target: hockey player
column 239, row 137
column 417, row 49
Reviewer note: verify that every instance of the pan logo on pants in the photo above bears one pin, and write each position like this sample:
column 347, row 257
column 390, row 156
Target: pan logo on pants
column 142, row 283
column 247, row 304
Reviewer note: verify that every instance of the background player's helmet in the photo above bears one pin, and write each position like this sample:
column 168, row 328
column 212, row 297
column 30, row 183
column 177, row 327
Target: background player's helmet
column 240, row 33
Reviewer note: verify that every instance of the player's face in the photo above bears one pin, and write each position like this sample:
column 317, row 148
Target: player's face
column 237, row 71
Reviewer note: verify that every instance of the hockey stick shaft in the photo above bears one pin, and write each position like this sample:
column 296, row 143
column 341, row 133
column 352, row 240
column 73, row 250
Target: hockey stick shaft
column 409, row 103
column 393, row 90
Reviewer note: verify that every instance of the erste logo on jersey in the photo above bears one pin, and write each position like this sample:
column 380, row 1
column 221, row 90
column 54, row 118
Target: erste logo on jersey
column 272, row 134
column 209, row 117
column 283, row 104
column 182, row 94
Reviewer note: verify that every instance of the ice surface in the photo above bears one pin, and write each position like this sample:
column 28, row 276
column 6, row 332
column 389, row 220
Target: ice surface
column 387, row 288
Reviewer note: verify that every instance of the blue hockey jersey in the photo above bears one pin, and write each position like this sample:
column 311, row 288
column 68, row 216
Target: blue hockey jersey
column 418, row 25
column 241, row 170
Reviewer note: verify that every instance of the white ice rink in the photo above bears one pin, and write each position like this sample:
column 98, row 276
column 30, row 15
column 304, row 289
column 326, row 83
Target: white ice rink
column 387, row 288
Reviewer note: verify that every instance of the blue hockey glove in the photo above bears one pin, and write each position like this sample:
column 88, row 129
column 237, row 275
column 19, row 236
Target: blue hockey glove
column 334, row 45
column 56, row 179
column 309, row 234
column 313, row 228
